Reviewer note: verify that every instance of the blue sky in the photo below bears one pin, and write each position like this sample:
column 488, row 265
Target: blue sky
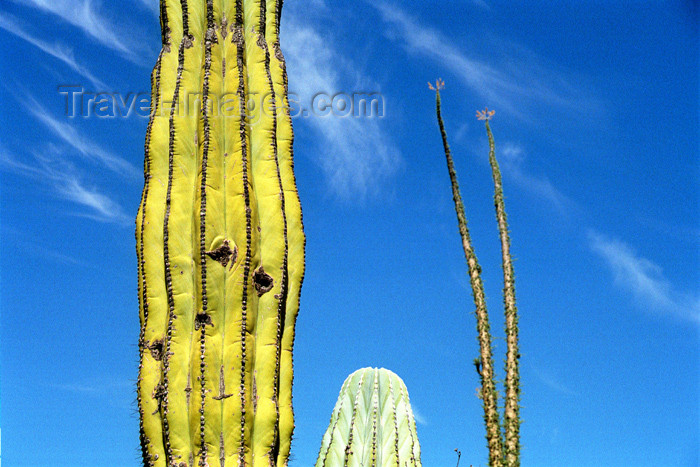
column 596, row 129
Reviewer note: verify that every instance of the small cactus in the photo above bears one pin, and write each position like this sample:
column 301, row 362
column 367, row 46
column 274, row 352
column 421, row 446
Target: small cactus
column 372, row 424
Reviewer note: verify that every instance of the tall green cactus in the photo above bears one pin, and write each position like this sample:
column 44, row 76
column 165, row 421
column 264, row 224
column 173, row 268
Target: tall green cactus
column 511, row 409
column 484, row 362
column 372, row 424
column 220, row 242
column 504, row 445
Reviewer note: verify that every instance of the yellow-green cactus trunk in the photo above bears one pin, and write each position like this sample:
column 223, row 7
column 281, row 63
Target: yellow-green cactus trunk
column 220, row 243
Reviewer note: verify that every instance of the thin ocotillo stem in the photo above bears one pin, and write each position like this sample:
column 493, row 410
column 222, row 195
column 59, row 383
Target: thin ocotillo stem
column 511, row 418
column 488, row 385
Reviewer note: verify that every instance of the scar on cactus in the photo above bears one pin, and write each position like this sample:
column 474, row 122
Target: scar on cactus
column 201, row 320
column 503, row 445
column 224, row 254
column 263, row 281
column 156, row 348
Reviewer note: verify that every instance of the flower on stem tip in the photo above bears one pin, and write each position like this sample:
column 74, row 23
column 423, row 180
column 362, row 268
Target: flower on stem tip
column 439, row 84
column 485, row 114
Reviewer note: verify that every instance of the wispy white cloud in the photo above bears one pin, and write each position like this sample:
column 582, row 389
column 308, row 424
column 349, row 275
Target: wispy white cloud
column 113, row 391
column 104, row 207
column 511, row 158
column 97, row 386
column 644, row 279
column 420, row 419
column 56, row 50
column 514, row 86
column 151, row 5
column 84, row 15
column 70, row 135
column 356, row 154
column 22, row 240
column 481, row 4
column 50, row 169
column 551, row 381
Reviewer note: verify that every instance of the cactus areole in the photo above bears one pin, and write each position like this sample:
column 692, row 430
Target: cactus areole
column 372, row 424
column 220, row 243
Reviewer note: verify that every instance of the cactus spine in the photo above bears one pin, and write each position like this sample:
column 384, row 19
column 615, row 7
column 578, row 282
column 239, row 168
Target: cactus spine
column 372, row 424
column 220, row 242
